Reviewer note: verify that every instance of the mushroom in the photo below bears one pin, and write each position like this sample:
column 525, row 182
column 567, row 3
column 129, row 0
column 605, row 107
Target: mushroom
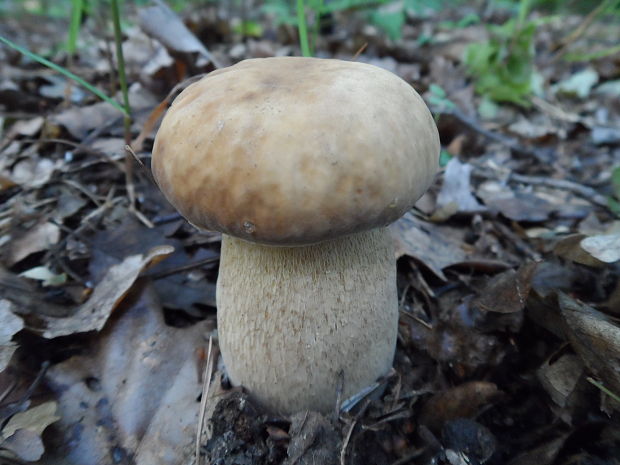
column 301, row 163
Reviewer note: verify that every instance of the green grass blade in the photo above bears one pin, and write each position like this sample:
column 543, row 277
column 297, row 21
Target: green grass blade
column 604, row 389
column 77, row 6
column 303, row 30
column 64, row 72
column 122, row 77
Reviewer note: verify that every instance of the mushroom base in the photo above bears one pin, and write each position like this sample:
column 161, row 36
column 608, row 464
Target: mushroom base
column 295, row 323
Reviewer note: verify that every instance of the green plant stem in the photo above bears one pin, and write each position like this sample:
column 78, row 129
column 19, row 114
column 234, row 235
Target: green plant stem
column 77, row 7
column 603, row 388
column 303, row 31
column 122, row 77
column 65, row 72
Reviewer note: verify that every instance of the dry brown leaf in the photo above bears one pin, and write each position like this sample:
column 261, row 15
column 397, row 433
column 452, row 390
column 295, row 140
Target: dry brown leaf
column 570, row 248
column 37, row 239
column 92, row 315
column 595, row 338
column 462, row 401
column 10, row 324
column 508, row 291
column 163, row 24
column 137, row 394
column 560, row 377
column 426, row 243
column 456, row 190
column 33, row 172
column 604, row 247
column 541, row 455
column 22, row 433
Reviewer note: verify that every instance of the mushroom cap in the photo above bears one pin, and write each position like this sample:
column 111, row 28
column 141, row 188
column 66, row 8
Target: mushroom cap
column 294, row 151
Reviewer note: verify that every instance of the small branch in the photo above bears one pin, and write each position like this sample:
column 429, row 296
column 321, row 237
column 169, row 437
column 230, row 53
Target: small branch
column 542, row 156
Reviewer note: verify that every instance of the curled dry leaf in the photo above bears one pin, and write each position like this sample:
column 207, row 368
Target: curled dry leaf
column 462, row 401
column 595, row 338
column 10, row 324
column 92, row 315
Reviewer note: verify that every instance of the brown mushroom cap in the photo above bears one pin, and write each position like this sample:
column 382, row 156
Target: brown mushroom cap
column 293, row 151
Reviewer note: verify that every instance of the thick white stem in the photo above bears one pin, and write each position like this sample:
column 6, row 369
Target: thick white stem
column 291, row 319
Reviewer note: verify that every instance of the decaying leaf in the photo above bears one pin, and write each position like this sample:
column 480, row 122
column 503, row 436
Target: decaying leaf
column 570, row 248
column 136, row 395
column 462, row 401
column 544, row 454
column 39, row 238
column 22, row 433
column 456, row 192
column 33, row 171
column 560, row 377
column 426, row 243
column 161, row 23
column 595, row 338
column 507, row 292
column 93, row 314
column 9, row 325
column 604, row 247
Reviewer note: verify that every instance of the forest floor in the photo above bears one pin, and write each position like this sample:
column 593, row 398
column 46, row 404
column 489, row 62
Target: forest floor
column 509, row 342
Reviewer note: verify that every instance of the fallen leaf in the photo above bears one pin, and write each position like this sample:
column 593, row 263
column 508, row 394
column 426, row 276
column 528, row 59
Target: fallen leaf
column 595, row 338
column 456, row 191
column 507, row 292
column 37, row 239
column 45, row 275
column 426, row 243
column 560, row 377
column 92, row 315
column 570, row 248
column 579, row 84
column 33, row 172
column 163, row 24
column 136, row 394
column 22, row 433
column 462, row 401
column 10, row 324
column 544, row 454
column 516, row 205
column 604, row 247
column 26, row 127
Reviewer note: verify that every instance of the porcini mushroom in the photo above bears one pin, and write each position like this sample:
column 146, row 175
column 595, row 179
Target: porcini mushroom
column 301, row 163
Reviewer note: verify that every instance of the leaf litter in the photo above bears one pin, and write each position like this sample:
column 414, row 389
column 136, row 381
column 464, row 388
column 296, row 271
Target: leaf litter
column 507, row 273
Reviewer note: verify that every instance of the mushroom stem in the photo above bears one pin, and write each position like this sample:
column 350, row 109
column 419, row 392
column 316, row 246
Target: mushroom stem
column 291, row 319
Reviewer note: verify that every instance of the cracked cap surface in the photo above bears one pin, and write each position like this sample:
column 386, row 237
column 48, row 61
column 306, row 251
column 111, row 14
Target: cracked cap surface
column 294, row 151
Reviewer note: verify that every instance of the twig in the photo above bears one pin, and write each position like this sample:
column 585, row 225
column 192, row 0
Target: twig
column 359, row 51
column 179, row 269
column 579, row 31
column 345, row 443
column 585, row 192
column 206, row 384
column 542, row 156
column 411, row 455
